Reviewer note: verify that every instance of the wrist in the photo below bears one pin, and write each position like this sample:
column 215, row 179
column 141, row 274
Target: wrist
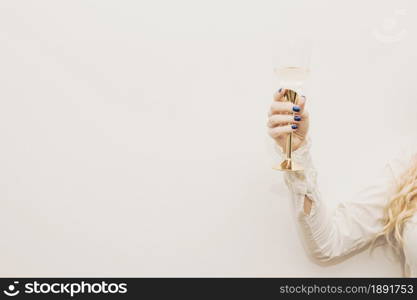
column 301, row 144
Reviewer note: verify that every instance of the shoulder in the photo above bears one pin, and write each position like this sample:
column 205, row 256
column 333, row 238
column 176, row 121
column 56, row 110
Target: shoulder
column 404, row 155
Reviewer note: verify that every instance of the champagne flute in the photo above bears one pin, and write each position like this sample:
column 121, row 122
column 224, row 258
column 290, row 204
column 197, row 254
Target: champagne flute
column 291, row 62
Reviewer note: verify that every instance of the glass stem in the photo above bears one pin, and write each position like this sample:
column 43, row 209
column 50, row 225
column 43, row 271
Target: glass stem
column 289, row 146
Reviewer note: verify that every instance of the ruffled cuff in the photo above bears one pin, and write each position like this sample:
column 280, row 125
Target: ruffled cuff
column 302, row 183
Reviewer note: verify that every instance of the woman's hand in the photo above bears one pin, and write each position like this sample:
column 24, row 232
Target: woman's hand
column 285, row 117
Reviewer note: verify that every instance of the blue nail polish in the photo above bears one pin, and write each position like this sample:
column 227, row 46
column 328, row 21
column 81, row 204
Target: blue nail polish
column 297, row 118
column 279, row 91
column 294, row 126
column 296, row 108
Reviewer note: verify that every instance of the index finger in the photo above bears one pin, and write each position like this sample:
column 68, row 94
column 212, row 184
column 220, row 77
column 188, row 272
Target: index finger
column 279, row 95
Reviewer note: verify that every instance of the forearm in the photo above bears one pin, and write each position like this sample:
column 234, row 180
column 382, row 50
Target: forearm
column 349, row 227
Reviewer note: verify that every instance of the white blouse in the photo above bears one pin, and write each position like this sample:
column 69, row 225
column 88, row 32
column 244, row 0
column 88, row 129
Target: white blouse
column 353, row 224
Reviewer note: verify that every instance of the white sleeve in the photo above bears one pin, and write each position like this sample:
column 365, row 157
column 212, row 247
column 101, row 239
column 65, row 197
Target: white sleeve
column 351, row 226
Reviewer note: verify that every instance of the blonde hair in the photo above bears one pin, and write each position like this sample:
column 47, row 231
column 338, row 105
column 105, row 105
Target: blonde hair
column 400, row 208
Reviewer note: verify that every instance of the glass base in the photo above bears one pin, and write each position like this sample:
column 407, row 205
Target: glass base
column 289, row 166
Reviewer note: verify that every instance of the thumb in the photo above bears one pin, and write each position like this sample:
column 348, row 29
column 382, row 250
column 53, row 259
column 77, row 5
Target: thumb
column 301, row 101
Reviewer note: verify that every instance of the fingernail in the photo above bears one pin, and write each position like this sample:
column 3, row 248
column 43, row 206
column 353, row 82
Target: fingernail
column 294, row 126
column 296, row 108
column 279, row 91
column 297, row 118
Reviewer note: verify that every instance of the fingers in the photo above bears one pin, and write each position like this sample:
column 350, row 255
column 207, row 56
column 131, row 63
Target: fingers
column 278, row 119
column 286, row 117
column 281, row 131
column 281, row 106
column 285, row 108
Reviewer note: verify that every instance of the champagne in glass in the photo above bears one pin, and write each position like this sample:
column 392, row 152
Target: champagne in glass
column 292, row 77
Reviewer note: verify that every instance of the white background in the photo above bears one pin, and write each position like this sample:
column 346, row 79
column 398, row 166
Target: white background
column 133, row 133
